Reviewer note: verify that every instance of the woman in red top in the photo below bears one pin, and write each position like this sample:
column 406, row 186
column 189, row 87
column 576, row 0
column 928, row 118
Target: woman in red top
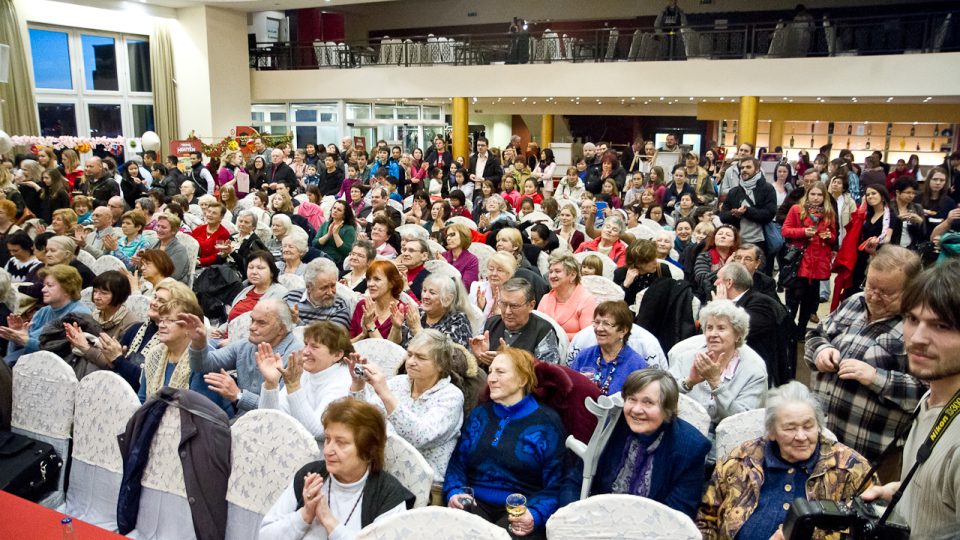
column 380, row 312
column 72, row 170
column 609, row 242
column 211, row 234
column 811, row 225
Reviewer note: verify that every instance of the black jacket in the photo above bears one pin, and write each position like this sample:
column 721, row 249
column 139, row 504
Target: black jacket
column 132, row 191
column 492, row 170
column 170, row 184
column 666, row 312
column 768, row 335
column 381, row 492
column 102, row 189
column 240, row 255
column 761, row 213
column 281, row 174
column 204, row 453
column 330, row 182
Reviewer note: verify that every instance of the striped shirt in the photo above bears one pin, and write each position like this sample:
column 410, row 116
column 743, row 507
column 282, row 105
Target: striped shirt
column 864, row 417
column 339, row 312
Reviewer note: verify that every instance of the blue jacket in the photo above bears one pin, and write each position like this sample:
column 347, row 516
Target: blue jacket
column 677, row 478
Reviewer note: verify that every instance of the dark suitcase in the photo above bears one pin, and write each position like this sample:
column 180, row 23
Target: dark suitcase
column 28, row 468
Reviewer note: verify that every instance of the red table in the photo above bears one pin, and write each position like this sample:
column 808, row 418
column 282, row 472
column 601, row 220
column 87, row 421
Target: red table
column 25, row 520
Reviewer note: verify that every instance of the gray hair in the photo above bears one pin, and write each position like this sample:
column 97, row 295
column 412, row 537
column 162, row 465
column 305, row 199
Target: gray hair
column 757, row 252
column 66, row 244
column 299, row 238
column 318, row 267
column 8, row 294
column 367, row 247
column 147, row 204
column 284, row 222
column 250, row 214
column 618, row 221
column 520, row 284
column 669, row 392
column 283, row 312
column 501, row 203
column 453, row 297
column 792, row 392
column 726, row 309
column 439, row 348
column 424, row 246
column 738, row 275
column 890, row 257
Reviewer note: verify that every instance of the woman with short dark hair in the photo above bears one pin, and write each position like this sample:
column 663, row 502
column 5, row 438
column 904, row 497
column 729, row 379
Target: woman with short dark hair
column 611, row 360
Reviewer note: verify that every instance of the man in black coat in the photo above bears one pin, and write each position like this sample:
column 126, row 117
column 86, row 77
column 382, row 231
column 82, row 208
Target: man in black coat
column 750, row 205
column 484, row 165
column 102, row 185
column 279, row 172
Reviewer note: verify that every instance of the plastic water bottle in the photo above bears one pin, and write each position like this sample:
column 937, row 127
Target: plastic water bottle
column 66, row 524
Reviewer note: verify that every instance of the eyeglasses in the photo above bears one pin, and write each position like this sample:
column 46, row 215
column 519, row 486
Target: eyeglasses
column 745, row 259
column 885, row 295
column 604, row 324
column 509, row 307
column 166, row 322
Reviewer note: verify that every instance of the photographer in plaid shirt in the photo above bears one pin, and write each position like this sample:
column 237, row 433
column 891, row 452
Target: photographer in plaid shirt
column 860, row 365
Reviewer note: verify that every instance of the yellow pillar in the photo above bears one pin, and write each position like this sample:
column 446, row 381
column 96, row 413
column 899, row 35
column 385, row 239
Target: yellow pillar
column 747, row 127
column 461, row 135
column 776, row 135
column 546, row 130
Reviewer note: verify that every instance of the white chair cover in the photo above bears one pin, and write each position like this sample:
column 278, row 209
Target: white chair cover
column 139, row 305
column 105, row 402
column 86, row 298
column 543, row 263
column 435, row 247
column 384, row 353
column 408, row 465
column 349, row 295
column 562, row 340
column 435, row 522
column 675, row 272
column 602, row 288
column 435, row 266
column 641, row 341
column 320, row 55
column 291, row 281
column 410, row 230
column 642, row 232
column 465, row 221
column 734, row 430
column 477, row 319
column 608, row 265
column 105, row 263
column 396, row 205
column 694, row 413
column 537, row 217
column 239, row 327
column 256, row 482
column 483, row 253
column 636, row 518
column 150, row 237
column 193, row 251
column 86, row 258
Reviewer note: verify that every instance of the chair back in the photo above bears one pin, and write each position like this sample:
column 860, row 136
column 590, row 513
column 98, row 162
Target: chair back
column 537, row 217
column 384, row 353
column 735, row 429
column 150, row 237
column 291, row 281
column 105, row 263
column 139, row 305
column 607, row 409
column 440, row 266
column 562, row 340
column 602, row 288
column 349, row 295
column 694, row 413
column 463, row 220
column 408, row 465
column 413, row 231
column 86, row 258
column 483, row 253
column 608, row 265
column 86, row 298
column 239, row 327
column 436, row 522
column 636, row 518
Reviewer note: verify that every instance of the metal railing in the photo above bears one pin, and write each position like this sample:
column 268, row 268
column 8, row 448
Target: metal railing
column 922, row 33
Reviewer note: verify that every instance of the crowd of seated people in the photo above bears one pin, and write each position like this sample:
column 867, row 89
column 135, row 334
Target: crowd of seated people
column 509, row 290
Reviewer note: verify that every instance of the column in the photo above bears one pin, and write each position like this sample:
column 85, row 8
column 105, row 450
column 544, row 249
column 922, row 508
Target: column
column 776, row 135
column 461, row 122
column 747, row 126
column 546, row 130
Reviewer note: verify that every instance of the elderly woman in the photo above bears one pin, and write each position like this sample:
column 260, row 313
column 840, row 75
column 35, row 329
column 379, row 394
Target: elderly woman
column 280, row 227
column 293, row 248
column 641, row 271
column 425, row 405
column 148, row 207
column 262, row 274
column 652, row 452
column 242, row 243
column 379, row 313
column 61, row 250
column 609, row 243
column 610, row 361
column 380, row 232
column 569, row 303
column 509, row 240
column 721, row 377
column 753, row 488
column 457, row 240
column 322, row 499
column 166, row 229
column 313, row 378
column 359, row 260
column 720, row 246
column 485, row 294
column 63, row 222
column 110, row 290
column 132, row 241
column 510, row 444
column 61, row 294
column 338, row 234
column 443, row 307
column 496, row 210
column 212, row 235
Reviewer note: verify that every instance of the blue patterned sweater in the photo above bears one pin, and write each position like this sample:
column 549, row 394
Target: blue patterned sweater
column 515, row 449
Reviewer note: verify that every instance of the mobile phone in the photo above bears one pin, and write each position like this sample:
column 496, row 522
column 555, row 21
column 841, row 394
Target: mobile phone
column 601, row 206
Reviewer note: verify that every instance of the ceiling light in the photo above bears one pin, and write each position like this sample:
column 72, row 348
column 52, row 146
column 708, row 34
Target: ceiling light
column 524, row 99
column 721, row 99
column 661, row 98
column 534, row 102
column 691, row 98
column 599, row 102
column 633, row 99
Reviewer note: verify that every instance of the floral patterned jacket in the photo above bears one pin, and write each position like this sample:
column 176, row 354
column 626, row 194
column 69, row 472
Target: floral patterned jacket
column 733, row 492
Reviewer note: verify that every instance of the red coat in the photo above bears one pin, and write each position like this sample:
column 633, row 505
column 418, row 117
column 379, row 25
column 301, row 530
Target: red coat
column 208, row 243
column 816, row 260
column 618, row 253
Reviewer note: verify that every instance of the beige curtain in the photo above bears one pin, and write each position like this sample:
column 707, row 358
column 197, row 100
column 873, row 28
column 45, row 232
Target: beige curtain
column 17, row 106
column 164, row 87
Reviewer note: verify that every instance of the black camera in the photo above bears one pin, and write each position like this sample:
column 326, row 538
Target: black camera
column 861, row 520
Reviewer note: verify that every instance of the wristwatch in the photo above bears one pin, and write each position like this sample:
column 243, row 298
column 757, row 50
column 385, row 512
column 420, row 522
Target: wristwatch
column 684, row 386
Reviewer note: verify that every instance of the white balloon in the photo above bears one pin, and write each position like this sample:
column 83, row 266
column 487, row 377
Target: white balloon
column 6, row 143
column 150, row 141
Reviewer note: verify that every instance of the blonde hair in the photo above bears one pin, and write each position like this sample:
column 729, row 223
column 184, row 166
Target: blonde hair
column 504, row 260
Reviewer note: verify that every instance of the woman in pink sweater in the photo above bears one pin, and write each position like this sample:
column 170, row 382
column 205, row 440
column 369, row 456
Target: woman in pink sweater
column 569, row 303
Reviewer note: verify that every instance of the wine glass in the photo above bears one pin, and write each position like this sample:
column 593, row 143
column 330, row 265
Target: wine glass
column 588, row 372
column 516, row 507
column 466, row 499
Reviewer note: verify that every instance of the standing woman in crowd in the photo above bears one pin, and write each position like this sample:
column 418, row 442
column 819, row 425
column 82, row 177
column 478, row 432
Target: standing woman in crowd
column 909, row 212
column 880, row 226
column 379, row 312
column 782, row 182
column 132, row 184
column 568, row 302
column 457, row 241
column 257, row 172
column 567, row 225
column 803, row 162
column 846, row 206
column 70, row 167
column 227, row 175
column 811, row 225
column 709, row 164
column 53, row 194
column 720, row 246
column 543, row 170
column 936, row 203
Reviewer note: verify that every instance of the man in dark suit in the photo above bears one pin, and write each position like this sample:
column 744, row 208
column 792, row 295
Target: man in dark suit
column 279, row 172
column 752, row 257
column 484, row 165
column 767, row 335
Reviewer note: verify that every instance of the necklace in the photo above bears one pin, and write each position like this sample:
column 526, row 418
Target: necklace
column 350, row 515
column 605, row 386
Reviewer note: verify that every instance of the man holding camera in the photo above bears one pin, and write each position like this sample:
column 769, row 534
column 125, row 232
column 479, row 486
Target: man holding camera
column 930, row 500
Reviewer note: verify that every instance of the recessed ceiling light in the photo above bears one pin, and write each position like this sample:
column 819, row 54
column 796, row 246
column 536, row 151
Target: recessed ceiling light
column 721, row 99
column 599, row 102
column 534, row 102
column 661, row 98
column 524, row 99
column 691, row 98
column 633, row 99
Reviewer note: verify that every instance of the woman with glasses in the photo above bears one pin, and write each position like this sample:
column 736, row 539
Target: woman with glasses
column 609, row 242
column 569, row 303
column 610, row 361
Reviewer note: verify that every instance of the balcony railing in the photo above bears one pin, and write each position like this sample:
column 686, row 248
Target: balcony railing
column 924, row 33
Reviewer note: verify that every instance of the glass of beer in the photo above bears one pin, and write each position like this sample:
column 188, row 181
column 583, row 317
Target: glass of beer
column 516, row 507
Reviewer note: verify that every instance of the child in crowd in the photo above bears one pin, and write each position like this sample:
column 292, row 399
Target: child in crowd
column 458, row 201
column 392, row 189
column 462, row 183
column 348, row 182
column 701, row 231
column 526, row 207
column 591, row 266
column 609, row 189
column 510, row 193
column 436, row 183
column 570, row 187
column 81, row 205
column 582, row 169
column 632, row 194
column 310, row 177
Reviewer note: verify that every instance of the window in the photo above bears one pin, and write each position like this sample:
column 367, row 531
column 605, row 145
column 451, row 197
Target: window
column 358, row 111
column 91, row 84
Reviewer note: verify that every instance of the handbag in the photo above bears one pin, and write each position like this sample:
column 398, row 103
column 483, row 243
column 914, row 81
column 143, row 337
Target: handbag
column 790, row 266
column 29, row 468
column 771, row 232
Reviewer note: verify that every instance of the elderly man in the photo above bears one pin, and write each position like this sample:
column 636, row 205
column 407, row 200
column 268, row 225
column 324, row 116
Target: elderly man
column 753, row 259
column 516, row 326
column 117, row 209
column 92, row 242
column 278, row 172
column 271, row 322
column 750, row 205
column 379, row 196
column 101, row 184
column 413, row 254
column 859, row 363
column 319, row 301
column 767, row 319
column 346, row 144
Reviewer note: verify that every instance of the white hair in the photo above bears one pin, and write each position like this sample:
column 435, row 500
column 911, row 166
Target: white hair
column 792, row 392
column 726, row 309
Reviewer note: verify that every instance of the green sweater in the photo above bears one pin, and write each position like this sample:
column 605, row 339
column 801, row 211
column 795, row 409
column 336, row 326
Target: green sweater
column 348, row 234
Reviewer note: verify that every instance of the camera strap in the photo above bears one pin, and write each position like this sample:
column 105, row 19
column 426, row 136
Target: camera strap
column 950, row 411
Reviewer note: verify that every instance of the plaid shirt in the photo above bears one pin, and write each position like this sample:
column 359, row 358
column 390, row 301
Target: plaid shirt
column 864, row 417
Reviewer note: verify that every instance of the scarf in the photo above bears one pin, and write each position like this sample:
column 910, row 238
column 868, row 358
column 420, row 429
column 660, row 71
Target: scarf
column 155, row 366
column 750, row 185
column 814, row 212
column 114, row 321
column 636, row 464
